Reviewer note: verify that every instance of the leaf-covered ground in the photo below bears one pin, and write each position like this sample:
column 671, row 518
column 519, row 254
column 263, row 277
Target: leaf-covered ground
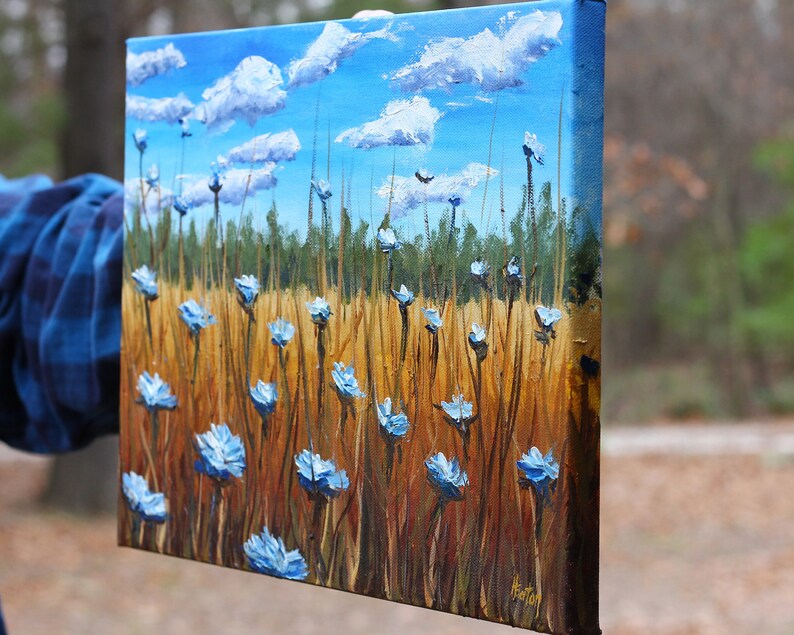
column 690, row 544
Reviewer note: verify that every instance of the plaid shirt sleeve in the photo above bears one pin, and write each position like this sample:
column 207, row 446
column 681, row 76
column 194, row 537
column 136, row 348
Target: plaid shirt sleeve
column 60, row 311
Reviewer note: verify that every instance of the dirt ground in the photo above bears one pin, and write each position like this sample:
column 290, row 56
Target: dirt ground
column 692, row 542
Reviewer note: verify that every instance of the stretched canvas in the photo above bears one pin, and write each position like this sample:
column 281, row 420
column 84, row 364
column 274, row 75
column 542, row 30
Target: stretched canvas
column 362, row 302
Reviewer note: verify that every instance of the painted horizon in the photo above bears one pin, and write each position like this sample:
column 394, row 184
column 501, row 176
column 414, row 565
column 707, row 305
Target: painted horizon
column 361, row 307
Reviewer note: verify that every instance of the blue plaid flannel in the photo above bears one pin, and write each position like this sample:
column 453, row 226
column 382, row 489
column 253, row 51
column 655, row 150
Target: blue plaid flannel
column 60, row 311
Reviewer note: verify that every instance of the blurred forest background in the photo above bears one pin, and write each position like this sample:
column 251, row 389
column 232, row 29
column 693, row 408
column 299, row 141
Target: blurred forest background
column 698, row 189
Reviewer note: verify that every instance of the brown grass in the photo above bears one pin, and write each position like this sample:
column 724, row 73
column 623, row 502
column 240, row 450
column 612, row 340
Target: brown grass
column 378, row 537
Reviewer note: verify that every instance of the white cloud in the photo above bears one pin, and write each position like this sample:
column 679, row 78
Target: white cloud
column 250, row 91
column 486, row 60
column 269, row 147
column 132, row 197
column 322, row 58
column 409, row 193
column 169, row 109
column 402, row 122
column 143, row 66
column 235, row 182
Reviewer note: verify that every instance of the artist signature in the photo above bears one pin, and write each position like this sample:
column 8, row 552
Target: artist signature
column 525, row 594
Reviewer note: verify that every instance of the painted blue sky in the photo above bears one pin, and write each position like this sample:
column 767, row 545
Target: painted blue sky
column 442, row 91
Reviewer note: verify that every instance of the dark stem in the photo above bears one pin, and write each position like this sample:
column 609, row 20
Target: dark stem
column 433, row 358
column 316, row 538
column 531, row 202
column 197, row 338
column 321, row 373
column 149, row 325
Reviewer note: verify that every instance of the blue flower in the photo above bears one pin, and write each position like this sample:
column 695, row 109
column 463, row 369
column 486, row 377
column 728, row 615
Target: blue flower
column 446, row 477
column 281, row 332
column 181, row 205
column 477, row 341
column 345, row 381
column 267, row 554
column 141, row 140
column 454, row 200
column 533, row 149
column 393, row 425
column 424, row 176
column 319, row 310
column 215, row 184
column 221, row 453
column 547, row 317
column 320, row 477
column 403, row 296
column 513, row 272
column 145, row 282
column 185, row 123
column 458, row 410
column 477, row 334
column 388, row 241
column 155, row 393
column 247, row 291
column 264, row 397
column 434, row 321
column 323, row 189
column 150, row 506
column 539, row 471
column 480, row 271
column 195, row 316
column 153, row 176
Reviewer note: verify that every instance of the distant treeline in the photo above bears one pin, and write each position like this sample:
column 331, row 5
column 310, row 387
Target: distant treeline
column 282, row 258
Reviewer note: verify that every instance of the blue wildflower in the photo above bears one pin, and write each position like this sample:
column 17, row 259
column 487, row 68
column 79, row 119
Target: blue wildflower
column 264, row 397
column 323, row 189
column 513, row 272
column 388, row 241
column 533, row 149
column 403, row 296
column 320, row 477
column 146, row 282
column 181, row 205
column 434, row 321
column 424, row 176
column 267, row 554
column 346, row 382
column 458, row 410
column 281, row 332
column 547, row 317
column 393, row 425
column 221, row 453
column 195, row 316
column 155, row 393
column 477, row 341
column 480, row 271
column 247, row 292
column 153, row 176
column 454, row 200
column 150, row 506
column 141, row 140
column 446, row 477
column 539, row 471
column 320, row 311
column 215, row 184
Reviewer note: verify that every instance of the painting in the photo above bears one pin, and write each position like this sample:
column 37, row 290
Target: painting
column 361, row 306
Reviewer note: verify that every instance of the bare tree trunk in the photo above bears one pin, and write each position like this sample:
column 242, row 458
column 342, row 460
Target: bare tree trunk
column 94, row 88
column 87, row 481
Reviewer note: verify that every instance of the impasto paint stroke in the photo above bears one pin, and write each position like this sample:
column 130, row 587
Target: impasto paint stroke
column 361, row 306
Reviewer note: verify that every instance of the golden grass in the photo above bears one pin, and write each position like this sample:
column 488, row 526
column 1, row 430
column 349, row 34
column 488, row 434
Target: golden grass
column 379, row 537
